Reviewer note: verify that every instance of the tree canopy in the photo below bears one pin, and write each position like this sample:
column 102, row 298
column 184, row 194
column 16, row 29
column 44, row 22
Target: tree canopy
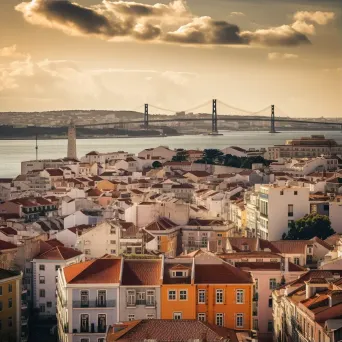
column 308, row 227
column 157, row 164
column 181, row 156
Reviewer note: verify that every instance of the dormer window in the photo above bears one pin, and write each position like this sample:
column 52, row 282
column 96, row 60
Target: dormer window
column 179, row 274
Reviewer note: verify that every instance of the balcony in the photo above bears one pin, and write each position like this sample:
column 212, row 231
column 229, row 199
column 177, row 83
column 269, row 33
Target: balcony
column 94, row 304
column 92, row 329
column 24, row 321
column 150, row 304
column 24, row 304
column 255, row 297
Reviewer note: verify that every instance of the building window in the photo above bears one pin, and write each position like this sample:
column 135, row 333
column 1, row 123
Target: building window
column 42, row 308
column 0, row 290
column 273, row 284
column 101, row 298
column 172, row 295
column 270, row 302
column 201, row 316
column 48, row 304
column 255, row 324
column 240, row 296
column 239, row 320
column 42, row 293
column 131, row 317
column 256, row 284
column 296, row 261
column 201, row 296
column 84, row 298
column 219, row 319
column 41, row 267
column 85, row 339
column 219, row 296
column 150, row 298
column 131, row 297
column 41, row 280
column 57, row 267
column 10, row 288
column 270, row 326
column 84, row 323
column 281, row 192
column 150, row 316
column 140, row 298
column 112, row 242
column 183, row 295
column 296, row 193
column 113, row 251
column 101, row 322
column 290, row 210
column 10, row 321
column 177, row 315
column 87, row 251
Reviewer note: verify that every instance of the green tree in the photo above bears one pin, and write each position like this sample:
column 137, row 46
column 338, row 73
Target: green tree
column 308, row 227
column 181, row 156
column 157, row 164
column 213, row 156
column 230, row 160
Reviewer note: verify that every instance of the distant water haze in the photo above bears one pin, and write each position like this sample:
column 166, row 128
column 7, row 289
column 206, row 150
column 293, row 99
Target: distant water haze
column 12, row 152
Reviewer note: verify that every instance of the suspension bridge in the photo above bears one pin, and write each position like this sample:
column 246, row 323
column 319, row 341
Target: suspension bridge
column 229, row 113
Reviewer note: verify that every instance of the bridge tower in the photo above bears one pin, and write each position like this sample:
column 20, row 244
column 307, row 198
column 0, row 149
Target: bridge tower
column 214, row 119
column 146, row 116
column 273, row 130
column 72, row 140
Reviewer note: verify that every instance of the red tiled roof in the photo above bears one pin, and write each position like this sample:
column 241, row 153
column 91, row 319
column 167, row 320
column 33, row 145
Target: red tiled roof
column 168, row 279
column 4, row 245
column 142, row 272
column 199, row 174
column 54, row 243
column 169, row 330
column 221, row 274
column 99, row 271
column 267, row 266
column 9, row 231
column 59, row 253
column 162, row 223
column 54, row 172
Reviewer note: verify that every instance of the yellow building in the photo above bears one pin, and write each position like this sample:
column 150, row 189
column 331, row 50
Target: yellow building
column 10, row 305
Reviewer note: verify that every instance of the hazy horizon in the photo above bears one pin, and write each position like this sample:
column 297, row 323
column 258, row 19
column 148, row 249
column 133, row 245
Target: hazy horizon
column 116, row 55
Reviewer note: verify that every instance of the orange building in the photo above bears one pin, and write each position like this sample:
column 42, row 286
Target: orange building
column 224, row 295
column 178, row 292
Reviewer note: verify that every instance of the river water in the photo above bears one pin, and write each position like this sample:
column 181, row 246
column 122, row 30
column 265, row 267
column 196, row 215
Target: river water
column 12, row 152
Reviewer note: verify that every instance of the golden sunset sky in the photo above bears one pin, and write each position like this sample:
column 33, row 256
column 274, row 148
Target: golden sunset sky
column 88, row 54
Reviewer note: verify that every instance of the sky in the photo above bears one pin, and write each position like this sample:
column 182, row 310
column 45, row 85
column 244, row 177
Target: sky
column 118, row 55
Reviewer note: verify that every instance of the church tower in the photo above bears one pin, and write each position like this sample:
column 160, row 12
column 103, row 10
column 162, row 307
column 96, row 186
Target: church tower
column 72, row 140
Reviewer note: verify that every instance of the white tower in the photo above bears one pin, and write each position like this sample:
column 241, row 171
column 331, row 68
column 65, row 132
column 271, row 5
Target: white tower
column 72, row 141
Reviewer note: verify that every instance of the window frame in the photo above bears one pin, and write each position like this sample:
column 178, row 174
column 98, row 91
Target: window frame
column 202, row 316
column 204, row 292
column 217, row 292
column 240, row 293
column 219, row 315
column 177, row 313
column 186, row 295
column 239, row 316
column 175, row 295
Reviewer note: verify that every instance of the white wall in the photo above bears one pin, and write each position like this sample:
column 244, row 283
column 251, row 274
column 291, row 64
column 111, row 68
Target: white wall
column 335, row 216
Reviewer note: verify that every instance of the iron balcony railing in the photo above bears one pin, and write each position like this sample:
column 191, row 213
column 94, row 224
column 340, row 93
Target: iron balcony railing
column 111, row 303
column 142, row 302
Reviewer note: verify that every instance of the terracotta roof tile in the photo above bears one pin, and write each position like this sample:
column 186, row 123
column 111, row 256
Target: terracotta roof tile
column 221, row 274
column 59, row 253
column 54, row 243
column 142, row 272
column 99, row 271
column 6, row 245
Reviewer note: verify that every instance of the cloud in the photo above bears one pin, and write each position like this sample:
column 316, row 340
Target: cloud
column 205, row 30
column 318, row 17
column 171, row 23
column 238, row 14
column 11, row 51
column 272, row 56
column 178, row 77
column 283, row 35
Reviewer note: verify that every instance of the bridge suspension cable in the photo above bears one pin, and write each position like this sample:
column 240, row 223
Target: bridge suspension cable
column 243, row 110
column 198, row 106
column 163, row 109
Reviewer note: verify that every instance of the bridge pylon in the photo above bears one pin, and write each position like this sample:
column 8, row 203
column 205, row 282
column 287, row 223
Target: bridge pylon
column 273, row 130
column 146, row 116
column 214, row 118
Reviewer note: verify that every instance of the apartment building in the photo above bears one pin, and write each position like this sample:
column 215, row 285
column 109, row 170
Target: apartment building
column 309, row 308
column 110, row 237
column 45, row 271
column 275, row 208
column 11, row 306
column 88, row 299
column 313, row 146
column 268, row 270
column 140, row 289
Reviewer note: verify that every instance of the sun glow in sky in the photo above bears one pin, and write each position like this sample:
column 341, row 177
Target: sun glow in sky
column 93, row 54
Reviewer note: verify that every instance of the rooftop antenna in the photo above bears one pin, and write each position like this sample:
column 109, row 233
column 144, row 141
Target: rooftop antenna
column 36, row 146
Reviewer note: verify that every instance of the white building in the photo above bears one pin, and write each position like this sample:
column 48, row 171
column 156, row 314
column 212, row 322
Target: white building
column 45, row 270
column 162, row 152
column 276, row 207
column 88, row 299
column 88, row 217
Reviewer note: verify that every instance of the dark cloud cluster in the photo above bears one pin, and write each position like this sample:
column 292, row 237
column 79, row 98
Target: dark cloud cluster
column 113, row 19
